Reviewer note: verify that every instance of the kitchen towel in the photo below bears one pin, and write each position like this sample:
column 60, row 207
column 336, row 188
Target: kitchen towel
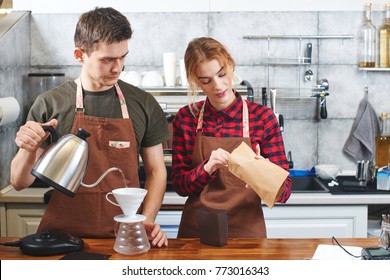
column 360, row 144
column 263, row 176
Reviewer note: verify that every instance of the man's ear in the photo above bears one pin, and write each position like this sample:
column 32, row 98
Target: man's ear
column 78, row 54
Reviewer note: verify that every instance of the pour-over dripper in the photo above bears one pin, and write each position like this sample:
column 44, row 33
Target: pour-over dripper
column 129, row 200
column 131, row 237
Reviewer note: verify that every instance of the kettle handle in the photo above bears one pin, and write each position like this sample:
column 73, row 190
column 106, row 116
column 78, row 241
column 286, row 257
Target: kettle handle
column 54, row 134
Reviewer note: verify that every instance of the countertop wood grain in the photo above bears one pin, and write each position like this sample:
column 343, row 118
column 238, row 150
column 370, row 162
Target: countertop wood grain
column 193, row 249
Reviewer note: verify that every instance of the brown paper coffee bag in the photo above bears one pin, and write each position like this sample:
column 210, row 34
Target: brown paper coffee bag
column 263, row 176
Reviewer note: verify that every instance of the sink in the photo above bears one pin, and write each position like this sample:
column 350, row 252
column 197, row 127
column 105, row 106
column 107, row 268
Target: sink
column 308, row 184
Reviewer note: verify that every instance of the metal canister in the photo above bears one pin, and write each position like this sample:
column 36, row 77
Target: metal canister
column 365, row 170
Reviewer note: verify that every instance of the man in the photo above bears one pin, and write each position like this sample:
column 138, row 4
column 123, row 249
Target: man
column 113, row 112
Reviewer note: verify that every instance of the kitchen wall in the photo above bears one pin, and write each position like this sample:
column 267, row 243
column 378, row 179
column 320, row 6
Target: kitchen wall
column 14, row 64
column 310, row 139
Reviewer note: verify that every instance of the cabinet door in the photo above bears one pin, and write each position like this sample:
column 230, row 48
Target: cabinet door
column 23, row 219
column 316, row 221
column 169, row 222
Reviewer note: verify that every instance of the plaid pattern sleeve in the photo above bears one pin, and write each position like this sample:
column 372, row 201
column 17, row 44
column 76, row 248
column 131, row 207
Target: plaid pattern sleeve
column 185, row 179
column 264, row 130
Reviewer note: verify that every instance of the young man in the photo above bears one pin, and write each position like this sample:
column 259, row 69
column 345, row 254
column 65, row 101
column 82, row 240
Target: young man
column 113, row 112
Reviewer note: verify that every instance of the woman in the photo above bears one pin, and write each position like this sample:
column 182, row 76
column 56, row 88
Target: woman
column 206, row 132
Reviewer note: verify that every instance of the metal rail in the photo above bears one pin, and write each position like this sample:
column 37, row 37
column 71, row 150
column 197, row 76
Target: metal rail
column 269, row 37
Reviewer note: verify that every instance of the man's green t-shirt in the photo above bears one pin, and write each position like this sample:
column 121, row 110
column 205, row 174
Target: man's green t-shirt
column 149, row 122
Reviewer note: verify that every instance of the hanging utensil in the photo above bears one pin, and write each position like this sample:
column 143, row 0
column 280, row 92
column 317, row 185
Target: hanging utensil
column 309, row 73
column 320, row 91
column 279, row 117
column 264, row 96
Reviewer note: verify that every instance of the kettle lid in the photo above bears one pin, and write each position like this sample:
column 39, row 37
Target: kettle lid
column 81, row 133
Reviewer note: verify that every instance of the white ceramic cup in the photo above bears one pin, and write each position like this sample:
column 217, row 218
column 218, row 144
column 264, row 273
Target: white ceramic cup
column 152, row 79
column 169, row 62
column 132, row 77
column 129, row 199
column 183, row 74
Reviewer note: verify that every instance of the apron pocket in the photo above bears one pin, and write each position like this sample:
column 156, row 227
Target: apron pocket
column 119, row 151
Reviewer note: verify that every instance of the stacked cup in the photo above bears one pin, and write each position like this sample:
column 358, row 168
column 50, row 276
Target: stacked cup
column 169, row 62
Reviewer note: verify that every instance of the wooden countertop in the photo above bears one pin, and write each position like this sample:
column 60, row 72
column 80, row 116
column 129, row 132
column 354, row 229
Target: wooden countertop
column 192, row 249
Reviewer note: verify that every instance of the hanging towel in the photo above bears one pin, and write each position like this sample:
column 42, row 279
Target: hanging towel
column 360, row 144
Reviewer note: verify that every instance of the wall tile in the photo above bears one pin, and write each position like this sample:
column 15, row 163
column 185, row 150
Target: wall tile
column 310, row 139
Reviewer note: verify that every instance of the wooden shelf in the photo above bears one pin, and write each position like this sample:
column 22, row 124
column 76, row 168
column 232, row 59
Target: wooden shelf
column 269, row 37
column 180, row 90
column 374, row 69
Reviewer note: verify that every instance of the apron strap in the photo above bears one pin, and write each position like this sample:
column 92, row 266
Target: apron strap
column 245, row 119
column 80, row 102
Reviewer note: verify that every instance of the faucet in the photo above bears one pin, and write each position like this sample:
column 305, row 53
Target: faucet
column 320, row 91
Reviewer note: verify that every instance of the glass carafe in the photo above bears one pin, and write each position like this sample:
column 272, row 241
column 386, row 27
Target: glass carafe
column 131, row 238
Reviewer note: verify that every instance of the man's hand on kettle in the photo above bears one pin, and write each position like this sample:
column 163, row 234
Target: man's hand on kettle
column 218, row 159
column 31, row 135
column 156, row 235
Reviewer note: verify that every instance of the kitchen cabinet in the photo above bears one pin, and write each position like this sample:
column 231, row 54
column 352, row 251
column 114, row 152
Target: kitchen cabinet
column 169, row 221
column 297, row 221
column 308, row 221
column 23, row 219
column 21, row 212
column 305, row 215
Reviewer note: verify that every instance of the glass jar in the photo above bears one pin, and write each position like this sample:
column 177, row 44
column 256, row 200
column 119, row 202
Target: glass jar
column 384, row 238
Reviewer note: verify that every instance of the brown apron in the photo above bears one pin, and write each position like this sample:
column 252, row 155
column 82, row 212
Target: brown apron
column 88, row 213
column 225, row 192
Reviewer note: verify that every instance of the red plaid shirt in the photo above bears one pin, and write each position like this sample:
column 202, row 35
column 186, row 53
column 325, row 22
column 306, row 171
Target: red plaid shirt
column 263, row 129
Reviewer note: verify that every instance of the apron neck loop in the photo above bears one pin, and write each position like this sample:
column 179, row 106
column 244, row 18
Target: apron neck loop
column 80, row 101
column 245, row 119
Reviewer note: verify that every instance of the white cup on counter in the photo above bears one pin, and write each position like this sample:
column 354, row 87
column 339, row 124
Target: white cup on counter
column 131, row 77
column 152, row 79
column 169, row 62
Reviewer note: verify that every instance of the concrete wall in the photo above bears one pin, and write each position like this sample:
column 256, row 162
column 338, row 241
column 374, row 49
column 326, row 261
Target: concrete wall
column 14, row 63
column 311, row 140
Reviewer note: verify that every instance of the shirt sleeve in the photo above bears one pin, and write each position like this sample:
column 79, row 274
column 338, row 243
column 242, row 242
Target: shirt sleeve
column 186, row 179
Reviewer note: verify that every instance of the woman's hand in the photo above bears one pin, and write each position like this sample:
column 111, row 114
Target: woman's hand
column 257, row 152
column 218, row 159
column 156, row 235
column 257, row 156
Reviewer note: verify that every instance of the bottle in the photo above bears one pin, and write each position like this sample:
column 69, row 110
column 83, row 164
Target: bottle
column 384, row 238
column 382, row 142
column 384, row 40
column 367, row 40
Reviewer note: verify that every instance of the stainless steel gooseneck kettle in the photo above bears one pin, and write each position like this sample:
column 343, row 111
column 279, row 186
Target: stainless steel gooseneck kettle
column 64, row 163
